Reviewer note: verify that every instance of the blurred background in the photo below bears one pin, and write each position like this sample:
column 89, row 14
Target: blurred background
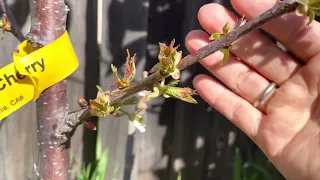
column 182, row 140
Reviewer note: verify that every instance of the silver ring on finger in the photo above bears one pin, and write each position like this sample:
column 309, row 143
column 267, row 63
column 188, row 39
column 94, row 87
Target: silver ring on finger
column 264, row 94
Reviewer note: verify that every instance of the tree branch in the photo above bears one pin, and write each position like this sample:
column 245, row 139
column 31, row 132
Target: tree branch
column 46, row 26
column 72, row 120
column 15, row 28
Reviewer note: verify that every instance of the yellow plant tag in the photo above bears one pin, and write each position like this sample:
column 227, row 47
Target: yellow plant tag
column 33, row 71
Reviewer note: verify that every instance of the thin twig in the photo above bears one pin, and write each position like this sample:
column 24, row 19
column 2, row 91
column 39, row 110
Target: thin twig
column 15, row 28
column 72, row 120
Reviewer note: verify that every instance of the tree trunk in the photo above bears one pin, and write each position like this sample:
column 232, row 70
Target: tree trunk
column 48, row 22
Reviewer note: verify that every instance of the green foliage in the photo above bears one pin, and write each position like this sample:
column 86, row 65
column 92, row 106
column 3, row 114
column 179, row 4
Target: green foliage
column 226, row 50
column 129, row 73
column 100, row 166
column 4, row 24
column 226, row 54
column 179, row 177
column 237, row 171
column 100, row 106
column 256, row 168
column 169, row 58
column 310, row 8
column 184, row 94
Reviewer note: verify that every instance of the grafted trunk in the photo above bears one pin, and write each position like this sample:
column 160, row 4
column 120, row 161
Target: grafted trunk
column 48, row 22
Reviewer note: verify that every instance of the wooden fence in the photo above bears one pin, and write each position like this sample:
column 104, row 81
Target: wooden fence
column 195, row 139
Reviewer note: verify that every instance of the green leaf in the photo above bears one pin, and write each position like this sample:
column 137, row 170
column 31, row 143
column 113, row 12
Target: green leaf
column 312, row 16
column 179, row 176
column 169, row 57
column 226, row 54
column 100, row 109
column 130, row 68
column 184, row 94
column 215, row 36
column 129, row 74
column 254, row 176
column 115, row 72
column 314, row 3
column 310, row 8
column 258, row 168
column 226, row 28
column 101, row 167
column 302, row 10
column 156, row 93
column 87, row 171
column 174, row 82
column 305, row 2
column 98, row 147
column 176, row 56
column 237, row 171
column 95, row 105
column 99, row 89
column 103, row 101
column 166, row 96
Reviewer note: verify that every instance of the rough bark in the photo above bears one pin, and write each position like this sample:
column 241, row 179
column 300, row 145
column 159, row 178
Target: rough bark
column 48, row 22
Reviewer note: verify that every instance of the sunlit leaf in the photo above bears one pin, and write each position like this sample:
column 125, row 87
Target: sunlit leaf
column 314, row 3
column 156, row 93
column 130, row 68
column 166, row 95
column 226, row 54
column 238, row 169
column 115, row 72
column 305, row 2
column 184, row 94
column 174, row 82
column 94, row 104
column 226, row 28
column 214, row 36
column 310, row 8
column 301, row 10
column 312, row 16
column 168, row 57
column 130, row 72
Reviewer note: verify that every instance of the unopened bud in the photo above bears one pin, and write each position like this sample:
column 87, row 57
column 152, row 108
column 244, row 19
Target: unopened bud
column 90, row 125
column 82, row 103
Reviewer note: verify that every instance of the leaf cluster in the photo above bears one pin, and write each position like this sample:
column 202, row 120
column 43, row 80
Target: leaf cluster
column 169, row 58
column 310, row 8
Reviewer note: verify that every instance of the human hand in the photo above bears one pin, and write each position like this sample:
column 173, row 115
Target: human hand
column 286, row 126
